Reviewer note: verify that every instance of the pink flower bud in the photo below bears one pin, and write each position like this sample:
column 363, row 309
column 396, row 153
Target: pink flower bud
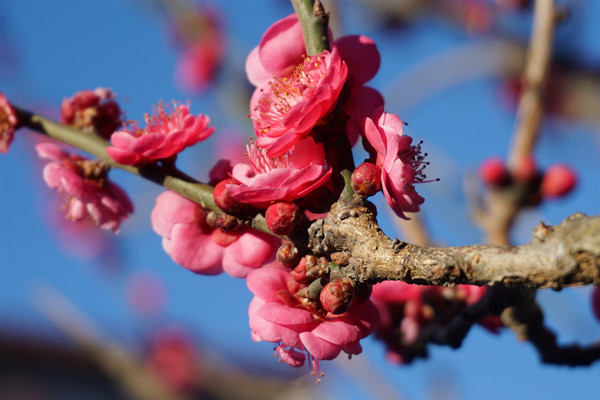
column 299, row 272
column 596, row 302
column 226, row 202
column 366, row 179
column 526, row 170
column 558, row 180
column 92, row 110
column 494, row 173
column 337, row 295
column 283, row 218
column 287, row 255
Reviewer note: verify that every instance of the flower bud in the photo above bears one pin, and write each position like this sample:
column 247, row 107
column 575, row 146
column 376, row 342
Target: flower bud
column 299, row 272
column 283, row 218
column 337, row 295
column 558, row 181
column 92, row 110
column 288, row 255
column 366, row 179
column 494, row 173
column 226, row 202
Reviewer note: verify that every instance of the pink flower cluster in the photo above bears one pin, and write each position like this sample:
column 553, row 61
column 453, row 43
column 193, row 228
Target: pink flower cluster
column 167, row 132
column 279, row 315
column 204, row 249
column 86, row 191
column 8, row 121
column 294, row 101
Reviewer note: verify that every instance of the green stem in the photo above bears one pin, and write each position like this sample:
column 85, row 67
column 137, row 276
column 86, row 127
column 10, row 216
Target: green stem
column 314, row 21
column 91, row 143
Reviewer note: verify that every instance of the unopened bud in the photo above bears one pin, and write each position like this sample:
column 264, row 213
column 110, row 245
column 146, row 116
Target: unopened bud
column 227, row 223
column 225, row 201
column 288, row 255
column 283, row 218
column 558, row 181
column 299, row 272
column 366, row 179
column 337, row 295
column 494, row 173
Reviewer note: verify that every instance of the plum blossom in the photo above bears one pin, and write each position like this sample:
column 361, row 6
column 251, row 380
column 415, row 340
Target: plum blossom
column 86, row 191
column 92, row 110
column 168, row 131
column 195, row 245
column 8, row 121
column 401, row 162
column 277, row 314
column 287, row 107
column 287, row 177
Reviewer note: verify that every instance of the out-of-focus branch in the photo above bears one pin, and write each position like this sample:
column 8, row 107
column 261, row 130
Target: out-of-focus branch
column 119, row 364
column 526, row 319
column 531, row 104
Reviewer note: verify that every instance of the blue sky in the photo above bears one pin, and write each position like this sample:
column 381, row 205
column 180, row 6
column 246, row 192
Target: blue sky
column 61, row 47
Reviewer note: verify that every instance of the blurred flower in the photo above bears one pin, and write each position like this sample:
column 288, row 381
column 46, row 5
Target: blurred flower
column 92, row 111
column 8, row 121
column 86, row 191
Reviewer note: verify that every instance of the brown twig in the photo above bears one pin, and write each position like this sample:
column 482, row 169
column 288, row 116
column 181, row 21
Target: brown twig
column 531, row 104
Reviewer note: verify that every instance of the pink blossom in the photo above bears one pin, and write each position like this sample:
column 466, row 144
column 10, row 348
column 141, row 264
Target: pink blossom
column 198, row 63
column 287, row 177
column 278, row 315
column 401, row 163
column 198, row 32
column 168, row 131
column 86, row 191
column 195, row 245
column 287, row 107
column 92, row 110
column 281, row 109
column 8, row 121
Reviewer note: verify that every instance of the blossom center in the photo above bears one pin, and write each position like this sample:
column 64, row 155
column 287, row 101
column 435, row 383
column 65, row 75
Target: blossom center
column 288, row 90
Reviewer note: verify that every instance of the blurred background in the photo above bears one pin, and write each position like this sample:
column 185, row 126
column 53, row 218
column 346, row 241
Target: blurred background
column 88, row 314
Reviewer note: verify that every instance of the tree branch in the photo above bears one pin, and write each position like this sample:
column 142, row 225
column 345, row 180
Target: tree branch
column 531, row 104
column 168, row 177
column 565, row 255
column 314, row 22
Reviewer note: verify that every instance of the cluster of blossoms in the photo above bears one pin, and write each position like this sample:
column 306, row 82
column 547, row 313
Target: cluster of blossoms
column 555, row 182
column 306, row 111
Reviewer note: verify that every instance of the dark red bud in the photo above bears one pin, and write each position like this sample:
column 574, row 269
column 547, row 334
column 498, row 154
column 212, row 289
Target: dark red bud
column 337, row 295
column 283, row 218
column 225, row 201
column 366, row 179
column 299, row 272
column 558, row 181
column 494, row 173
